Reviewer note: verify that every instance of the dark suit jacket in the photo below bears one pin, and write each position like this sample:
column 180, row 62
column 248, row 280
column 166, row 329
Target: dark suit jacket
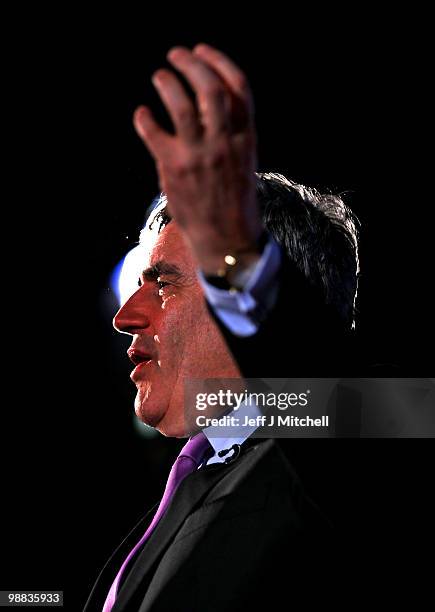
column 236, row 536
column 241, row 535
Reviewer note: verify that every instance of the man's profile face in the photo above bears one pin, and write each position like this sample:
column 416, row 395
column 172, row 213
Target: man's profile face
column 174, row 336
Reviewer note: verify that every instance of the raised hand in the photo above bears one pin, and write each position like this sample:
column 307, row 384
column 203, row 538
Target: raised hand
column 207, row 167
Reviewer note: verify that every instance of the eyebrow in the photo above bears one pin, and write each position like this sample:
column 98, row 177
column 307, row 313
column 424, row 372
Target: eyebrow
column 162, row 268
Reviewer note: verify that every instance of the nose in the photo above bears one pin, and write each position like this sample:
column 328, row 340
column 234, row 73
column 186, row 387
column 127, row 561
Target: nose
column 132, row 317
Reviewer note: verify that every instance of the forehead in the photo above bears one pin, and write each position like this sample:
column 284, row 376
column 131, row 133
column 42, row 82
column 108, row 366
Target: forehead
column 167, row 245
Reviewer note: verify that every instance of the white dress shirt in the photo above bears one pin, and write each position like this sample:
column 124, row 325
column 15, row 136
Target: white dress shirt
column 240, row 312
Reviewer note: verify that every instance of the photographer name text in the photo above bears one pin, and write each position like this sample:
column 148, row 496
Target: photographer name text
column 263, row 421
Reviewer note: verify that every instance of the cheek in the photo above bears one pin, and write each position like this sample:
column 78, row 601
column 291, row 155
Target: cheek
column 191, row 343
column 185, row 322
column 204, row 341
column 179, row 318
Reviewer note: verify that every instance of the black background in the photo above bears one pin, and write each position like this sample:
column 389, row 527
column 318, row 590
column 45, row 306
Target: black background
column 340, row 106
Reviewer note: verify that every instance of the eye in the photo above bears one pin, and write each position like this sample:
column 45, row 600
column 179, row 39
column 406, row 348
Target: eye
column 161, row 284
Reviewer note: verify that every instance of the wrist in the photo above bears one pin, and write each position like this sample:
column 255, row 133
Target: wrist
column 228, row 271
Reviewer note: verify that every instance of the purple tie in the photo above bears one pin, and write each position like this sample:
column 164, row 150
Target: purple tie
column 187, row 461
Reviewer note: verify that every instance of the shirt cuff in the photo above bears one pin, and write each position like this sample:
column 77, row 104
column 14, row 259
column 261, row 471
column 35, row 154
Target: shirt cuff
column 242, row 311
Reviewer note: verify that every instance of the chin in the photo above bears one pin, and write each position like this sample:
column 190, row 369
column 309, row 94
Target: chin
column 148, row 410
column 166, row 414
column 173, row 424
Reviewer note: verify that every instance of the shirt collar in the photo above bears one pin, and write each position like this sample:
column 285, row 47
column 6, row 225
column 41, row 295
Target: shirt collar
column 224, row 437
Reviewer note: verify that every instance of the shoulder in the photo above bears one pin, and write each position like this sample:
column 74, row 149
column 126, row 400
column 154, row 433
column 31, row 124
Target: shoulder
column 262, row 478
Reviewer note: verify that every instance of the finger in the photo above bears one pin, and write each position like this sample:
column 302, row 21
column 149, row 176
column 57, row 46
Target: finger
column 212, row 95
column 154, row 137
column 178, row 104
column 234, row 78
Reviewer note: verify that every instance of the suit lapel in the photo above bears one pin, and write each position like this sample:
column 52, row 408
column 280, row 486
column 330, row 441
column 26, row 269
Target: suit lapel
column 187, row 498
column 107, row 575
